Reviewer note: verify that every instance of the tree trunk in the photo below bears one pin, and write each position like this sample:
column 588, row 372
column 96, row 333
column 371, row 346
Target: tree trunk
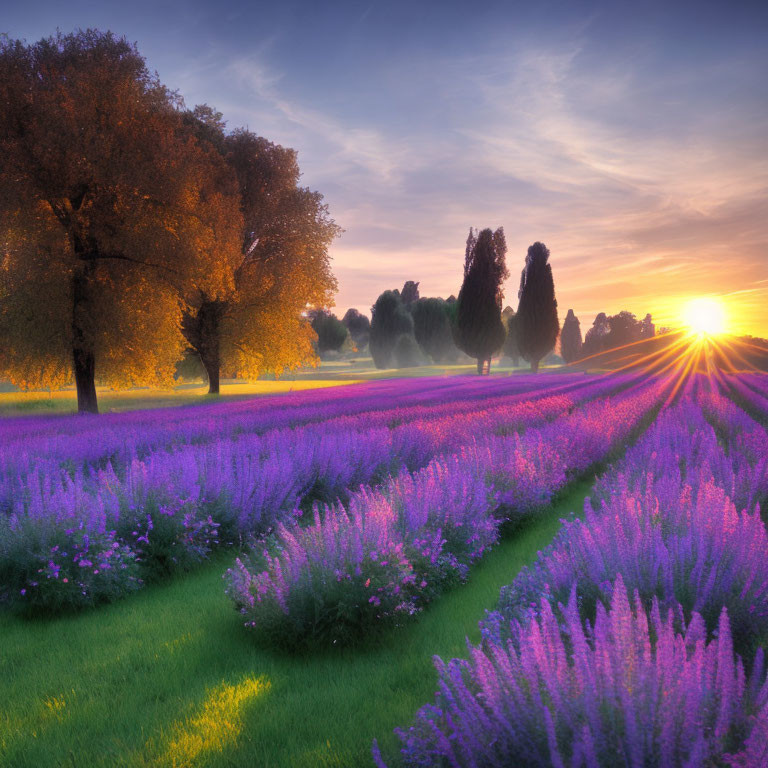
column 83, row 356
column 481, row 369
column 534, row 366
column 85, row 380
column 202, row 330
column 212, row 369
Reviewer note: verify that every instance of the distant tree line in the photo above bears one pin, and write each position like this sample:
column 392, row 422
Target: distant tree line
column 133, row 228
column 407, row 329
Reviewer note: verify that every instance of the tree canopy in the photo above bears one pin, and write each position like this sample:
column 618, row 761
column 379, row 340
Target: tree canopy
column 282, row 265
column 112, row 213
column 479, row 329
column 612, row 331
column 537, row 322
column 410, row 292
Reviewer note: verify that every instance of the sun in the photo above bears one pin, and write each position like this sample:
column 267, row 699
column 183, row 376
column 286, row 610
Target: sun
column 705, row 316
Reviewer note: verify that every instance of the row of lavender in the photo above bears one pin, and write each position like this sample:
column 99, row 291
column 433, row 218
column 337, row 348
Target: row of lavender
column 119, row 438
column 616, row 648
column 77, row 537
column 377, row 560
column 79, row 454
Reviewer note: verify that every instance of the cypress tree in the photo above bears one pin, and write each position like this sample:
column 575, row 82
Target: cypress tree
column 570, row 338
column 479, row 329
column 537, row 321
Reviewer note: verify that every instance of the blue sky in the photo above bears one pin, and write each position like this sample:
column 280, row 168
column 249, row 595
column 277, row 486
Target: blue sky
column 632, row 138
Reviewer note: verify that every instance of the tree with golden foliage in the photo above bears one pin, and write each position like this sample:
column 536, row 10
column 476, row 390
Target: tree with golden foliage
column 283, row 266
column 112, row 212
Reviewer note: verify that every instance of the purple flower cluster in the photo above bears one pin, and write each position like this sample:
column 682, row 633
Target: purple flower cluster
column 629, row 690
column 675, row 523
column 664, row 518
column 438, row 521
column 171, row 485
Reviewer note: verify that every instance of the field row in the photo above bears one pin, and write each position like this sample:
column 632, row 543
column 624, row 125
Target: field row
column 378, row 560
column 618, row 646
column 83, row 531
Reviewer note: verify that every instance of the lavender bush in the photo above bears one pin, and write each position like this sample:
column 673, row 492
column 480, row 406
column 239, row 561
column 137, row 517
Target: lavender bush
column 626, row 691
column 53, row 567
column 171, row 499
column 441, row 520
column 664, row 521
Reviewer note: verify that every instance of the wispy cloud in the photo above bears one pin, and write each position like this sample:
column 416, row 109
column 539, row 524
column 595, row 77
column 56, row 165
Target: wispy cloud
column 647, row 184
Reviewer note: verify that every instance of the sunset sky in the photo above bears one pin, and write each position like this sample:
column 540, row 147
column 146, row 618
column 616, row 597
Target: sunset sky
column 631, row 138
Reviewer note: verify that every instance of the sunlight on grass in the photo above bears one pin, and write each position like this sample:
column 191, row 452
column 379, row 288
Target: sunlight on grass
column 54, row 707
column 65, row 400
column 217, row 724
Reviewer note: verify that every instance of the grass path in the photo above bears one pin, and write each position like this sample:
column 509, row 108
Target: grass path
column 170, row 678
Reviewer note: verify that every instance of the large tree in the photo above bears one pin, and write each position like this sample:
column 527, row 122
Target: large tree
column 648, row 328
column 537, row 322
column 110, row 210
column 410, row 293
column 479, row 329
column 570, row 338
column 282, row 265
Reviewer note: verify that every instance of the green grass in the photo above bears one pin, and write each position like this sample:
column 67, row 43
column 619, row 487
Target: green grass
column 13, row 403
column 170, row 677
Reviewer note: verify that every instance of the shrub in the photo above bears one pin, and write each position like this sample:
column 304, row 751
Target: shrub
column 375, row 565
column 665, row 523
column 709, row 557
column 168, row 537
column 326, row 584
column 629, row 692
column 54, row 566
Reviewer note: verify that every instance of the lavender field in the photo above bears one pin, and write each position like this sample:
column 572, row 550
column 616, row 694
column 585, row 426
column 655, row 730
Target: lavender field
column 362, row 529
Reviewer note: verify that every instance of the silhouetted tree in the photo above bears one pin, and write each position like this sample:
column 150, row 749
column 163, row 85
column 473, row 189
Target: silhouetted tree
column 511, row 348
column 537, row 322
column 649, row 329
column 596, row 338
column 570, row 338
column 110, row 211
column 625, row 328
column 432, row 328
column 479, row 330
column 410, row 293
column 389, row 321
column 359, row 327
column 331, row 332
